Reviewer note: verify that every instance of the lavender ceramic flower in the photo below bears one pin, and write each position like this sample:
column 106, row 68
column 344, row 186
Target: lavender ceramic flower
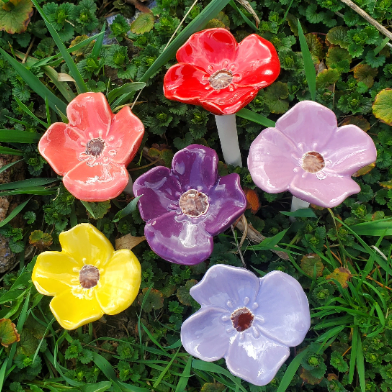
column 309, row 155
column 186, row 206
column 251, row 322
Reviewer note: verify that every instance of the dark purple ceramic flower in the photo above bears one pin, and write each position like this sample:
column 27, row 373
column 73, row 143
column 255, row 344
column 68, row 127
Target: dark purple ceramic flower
column 251, row 322
column 186, row 206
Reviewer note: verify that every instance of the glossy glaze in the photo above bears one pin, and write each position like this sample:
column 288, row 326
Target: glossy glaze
column 94, row 148
column 281, row 320
column 173, row 235
column 57, row 274
column 212, row 59
column 278, row 156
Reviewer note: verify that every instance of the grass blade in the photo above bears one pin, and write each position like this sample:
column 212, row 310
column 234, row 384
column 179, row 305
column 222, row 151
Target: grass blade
column 197, row 24
column 5, row 167
column 257, row 118
column 10, row 151
column 361, row 365
column 30, row 113
column 73, row 70
column 374, row 228
column 14, row 212
column 27, row 183
column 99, row 42
column 127, row 210
column 35, row 84
column 310, row 71
column 353, row 358
column 125, row 89
column 291, row 371
column 159, row 379
column 15, row 136
column 183, row 382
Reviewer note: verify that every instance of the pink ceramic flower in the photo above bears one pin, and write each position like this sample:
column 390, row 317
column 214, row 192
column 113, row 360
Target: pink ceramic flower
column 216, row 72
column 310, row 156
column 94, row 148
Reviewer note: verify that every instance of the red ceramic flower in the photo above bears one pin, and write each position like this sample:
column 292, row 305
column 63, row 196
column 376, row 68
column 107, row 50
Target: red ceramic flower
column 216, row 72
column 93, row 150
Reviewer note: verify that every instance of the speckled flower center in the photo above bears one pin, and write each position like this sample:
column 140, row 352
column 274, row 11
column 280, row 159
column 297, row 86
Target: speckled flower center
column 313, row 162
column 194, row 203
column 89, row 276
column 95, row 147
column 221, row 79
column 242, row 319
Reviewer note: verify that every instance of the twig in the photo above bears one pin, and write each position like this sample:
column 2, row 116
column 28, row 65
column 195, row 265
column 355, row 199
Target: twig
column 366, row 16
column 145, row 166
column 380, row 284
column 28, row 51
column 249, row 8
column 256, row 236
column 238, row 247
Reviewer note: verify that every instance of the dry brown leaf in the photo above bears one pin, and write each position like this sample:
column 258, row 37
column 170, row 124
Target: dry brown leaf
column 128, row 241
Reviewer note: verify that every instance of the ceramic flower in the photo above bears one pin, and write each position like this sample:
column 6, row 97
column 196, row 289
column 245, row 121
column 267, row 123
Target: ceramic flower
column 94, row 148
column 87, row 278
column 309, row 155
column 250, row 322
column 186, row 206
column 216, row 72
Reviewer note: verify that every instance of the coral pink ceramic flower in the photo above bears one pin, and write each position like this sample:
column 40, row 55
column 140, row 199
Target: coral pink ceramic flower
column 310, row 156
column 216, row 72
column 93, row 150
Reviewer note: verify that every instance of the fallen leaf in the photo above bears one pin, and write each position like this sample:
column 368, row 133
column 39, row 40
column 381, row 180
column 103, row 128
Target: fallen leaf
column 365, row 170
column 310, row 262
column 252, row 199
column 8, row 332
column 308, row 378
column 342, row 275
column 15, row 15
column 128, row 241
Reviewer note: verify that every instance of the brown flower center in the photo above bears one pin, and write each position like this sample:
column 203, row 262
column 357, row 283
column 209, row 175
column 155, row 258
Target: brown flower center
column 194, row 203
column 95, row 147
column 221, row 79
column 242, row 319
column 313, row 162
column 88, row 276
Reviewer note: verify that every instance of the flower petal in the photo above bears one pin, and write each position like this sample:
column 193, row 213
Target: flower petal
column 87, row 245
column 178, row 241
column 72, row 311
column 328, row 193
column 257, row 62
column 226, row 287
column 119, row 282
column 55, row 272
column 125, row 136
column 211, row 49
column 227, row 203
column 60, row 146
column 283, row 309
column 96, row 183
column 229, row 100
column 160, row 191
column 203, row 335
column 272, row 160
column 196, row 167
column 349, row 150
column 309, row 125
column 186, row 83
column 91, row 113
column 255, row 360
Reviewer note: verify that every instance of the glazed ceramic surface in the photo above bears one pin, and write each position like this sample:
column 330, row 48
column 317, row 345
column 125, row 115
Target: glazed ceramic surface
column 111, row 279
column 309, row 155
column 250, row 322
column 93, row 150
column 186, row 206
column 216, row 72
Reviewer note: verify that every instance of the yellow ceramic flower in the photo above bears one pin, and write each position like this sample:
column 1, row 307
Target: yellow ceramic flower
column 87, row 278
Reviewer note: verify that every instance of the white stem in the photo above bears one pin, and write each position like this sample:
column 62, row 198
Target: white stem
column 297, row 204
column 227, row 131
column 128, row 189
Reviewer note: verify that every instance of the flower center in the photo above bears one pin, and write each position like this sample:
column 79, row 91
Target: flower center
column 242, row 319
column 194, row 203
column 313, row 162
column 221, row 79
column 95, row 147
column 88, row 276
